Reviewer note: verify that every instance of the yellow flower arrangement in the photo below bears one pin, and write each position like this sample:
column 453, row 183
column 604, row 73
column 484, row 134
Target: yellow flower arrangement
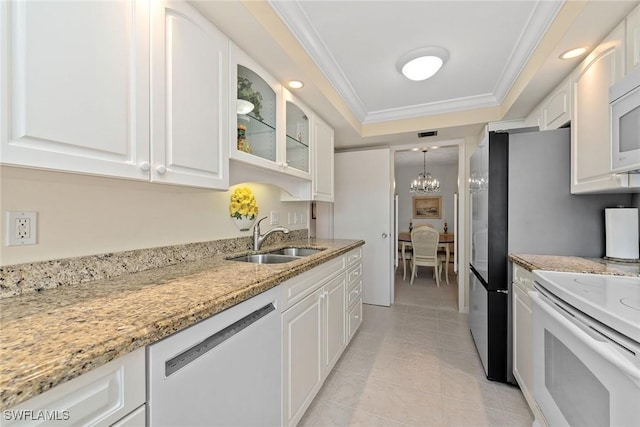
column 243, row 203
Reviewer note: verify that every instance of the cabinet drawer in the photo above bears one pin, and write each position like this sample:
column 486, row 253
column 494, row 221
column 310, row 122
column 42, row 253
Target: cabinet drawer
column 99, row 397
column 523, row 278
column 354, row 293
column 355, row 318
column 354, row 273
column 296, row 288
column 354, row 256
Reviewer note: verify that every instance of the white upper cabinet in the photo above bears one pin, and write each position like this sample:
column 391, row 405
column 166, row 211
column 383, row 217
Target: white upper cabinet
column 298, row 141
column 554, row 111
column 270, row 128
column 323, row 174
column 189, row 79
column 255, row 98
column 556, row 108
column 590, row 128
column 75, row 86
column 633, row 39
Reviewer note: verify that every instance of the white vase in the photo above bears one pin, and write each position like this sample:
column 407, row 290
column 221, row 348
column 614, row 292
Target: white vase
column 244, row 223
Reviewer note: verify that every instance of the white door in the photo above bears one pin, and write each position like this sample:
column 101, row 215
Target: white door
column 189, row 80
column 363, row 210
column 74, row 86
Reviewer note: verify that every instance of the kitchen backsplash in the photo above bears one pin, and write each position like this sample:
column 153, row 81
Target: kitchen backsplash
column 81, row 215
column 33, row 277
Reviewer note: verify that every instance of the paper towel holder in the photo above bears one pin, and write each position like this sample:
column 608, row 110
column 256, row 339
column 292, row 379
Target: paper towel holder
column 622, row 235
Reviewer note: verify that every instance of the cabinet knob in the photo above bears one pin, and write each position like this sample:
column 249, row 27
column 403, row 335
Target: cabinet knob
column 161, row 169
column 145, row 166
column 384, row 235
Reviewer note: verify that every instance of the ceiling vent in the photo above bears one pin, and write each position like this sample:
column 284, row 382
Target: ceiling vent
column 427, row 133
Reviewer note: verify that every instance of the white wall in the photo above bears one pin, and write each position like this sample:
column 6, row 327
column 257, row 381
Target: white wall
column 86, row 215
column 448, row 177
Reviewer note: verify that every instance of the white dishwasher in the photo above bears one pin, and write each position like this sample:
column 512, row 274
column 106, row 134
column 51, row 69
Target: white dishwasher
column 222, row 371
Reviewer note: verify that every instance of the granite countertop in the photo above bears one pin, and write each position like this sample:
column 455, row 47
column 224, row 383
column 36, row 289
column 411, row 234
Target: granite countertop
column 575, row 264
column 52, row 336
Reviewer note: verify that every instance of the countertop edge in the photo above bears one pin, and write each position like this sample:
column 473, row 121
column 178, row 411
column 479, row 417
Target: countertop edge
column 30, row 382
column 573, row 264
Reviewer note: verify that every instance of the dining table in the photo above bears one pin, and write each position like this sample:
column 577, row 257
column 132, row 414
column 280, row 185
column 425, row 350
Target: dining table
column 444, row 241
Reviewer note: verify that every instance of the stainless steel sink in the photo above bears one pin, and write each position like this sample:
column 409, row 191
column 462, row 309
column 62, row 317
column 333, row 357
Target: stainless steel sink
column 265, row 258
column 296, row 251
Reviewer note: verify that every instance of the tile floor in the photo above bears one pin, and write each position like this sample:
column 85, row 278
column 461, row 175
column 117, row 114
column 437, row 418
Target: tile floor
column 415, row 364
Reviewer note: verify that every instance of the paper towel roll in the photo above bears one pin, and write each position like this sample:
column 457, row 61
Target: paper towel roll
column 621, row 225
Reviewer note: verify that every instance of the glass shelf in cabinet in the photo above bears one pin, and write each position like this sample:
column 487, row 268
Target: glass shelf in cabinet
column 294, row 143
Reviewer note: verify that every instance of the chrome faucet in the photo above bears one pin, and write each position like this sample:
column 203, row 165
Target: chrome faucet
column 258, row 239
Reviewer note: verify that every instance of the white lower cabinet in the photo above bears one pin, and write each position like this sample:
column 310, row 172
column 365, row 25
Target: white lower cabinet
column 316, row 328
column 302, row 356
column 523, row 335
column 112, row 393
column 335, row 313
column 137, row 418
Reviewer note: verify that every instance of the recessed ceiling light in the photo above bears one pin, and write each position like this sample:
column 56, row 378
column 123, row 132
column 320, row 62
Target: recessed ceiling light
column 295, row 84
column 573, row 53
column 420, row 64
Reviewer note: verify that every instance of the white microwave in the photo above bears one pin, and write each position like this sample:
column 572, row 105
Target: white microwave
column 624, row 101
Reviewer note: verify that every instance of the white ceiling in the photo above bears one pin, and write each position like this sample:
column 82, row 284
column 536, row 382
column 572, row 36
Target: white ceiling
column 503, row 58
column 357, row 45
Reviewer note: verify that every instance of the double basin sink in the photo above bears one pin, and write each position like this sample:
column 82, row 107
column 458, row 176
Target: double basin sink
column 278, row 256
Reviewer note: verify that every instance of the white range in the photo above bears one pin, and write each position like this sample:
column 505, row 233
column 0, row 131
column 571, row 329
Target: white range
column 586, row 340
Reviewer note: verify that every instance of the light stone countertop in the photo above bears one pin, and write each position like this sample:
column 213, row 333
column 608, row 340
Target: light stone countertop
column 52, row 336
column 573, row 264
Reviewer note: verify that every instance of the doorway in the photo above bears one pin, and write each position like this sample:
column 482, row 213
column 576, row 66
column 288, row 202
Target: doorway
column 438, row 209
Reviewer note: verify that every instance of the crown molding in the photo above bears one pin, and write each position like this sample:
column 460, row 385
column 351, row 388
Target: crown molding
column 300, row 26
column 294, row 17
column 440, row 107
column 537, row 25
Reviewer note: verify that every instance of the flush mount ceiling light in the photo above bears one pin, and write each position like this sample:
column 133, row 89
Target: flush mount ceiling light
column 295, row 84
column 573, row 53
column 420, row 64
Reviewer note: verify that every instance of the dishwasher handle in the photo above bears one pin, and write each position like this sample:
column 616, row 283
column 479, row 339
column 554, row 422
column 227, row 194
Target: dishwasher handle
column 192, row 353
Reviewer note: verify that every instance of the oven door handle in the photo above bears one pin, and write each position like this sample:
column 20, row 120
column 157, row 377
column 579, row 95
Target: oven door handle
column 606, row 349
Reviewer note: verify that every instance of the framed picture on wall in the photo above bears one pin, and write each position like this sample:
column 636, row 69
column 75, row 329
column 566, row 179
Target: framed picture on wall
column 427, row 207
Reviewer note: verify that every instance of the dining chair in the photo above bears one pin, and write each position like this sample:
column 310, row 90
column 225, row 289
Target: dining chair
column 425, row 251
column 406, row 254
column 443, row 255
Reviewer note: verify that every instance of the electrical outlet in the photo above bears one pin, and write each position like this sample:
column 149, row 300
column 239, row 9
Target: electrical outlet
column 275, row 218
column 21, row 228
column 290, row 218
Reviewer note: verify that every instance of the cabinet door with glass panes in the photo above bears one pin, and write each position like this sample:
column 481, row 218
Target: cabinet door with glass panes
column 255, row 97
column 297, row 137
column 270, row 128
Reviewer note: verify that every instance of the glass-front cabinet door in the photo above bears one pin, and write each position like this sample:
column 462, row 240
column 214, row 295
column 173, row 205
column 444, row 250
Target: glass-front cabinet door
column 256, row 115
column 270, row 128
column 256, row 99
column 297, row 135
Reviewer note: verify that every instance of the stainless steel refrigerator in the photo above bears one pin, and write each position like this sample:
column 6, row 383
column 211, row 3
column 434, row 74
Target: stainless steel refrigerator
column 521, row 203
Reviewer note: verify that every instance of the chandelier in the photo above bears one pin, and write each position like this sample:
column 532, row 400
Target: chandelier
column 425, row 183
